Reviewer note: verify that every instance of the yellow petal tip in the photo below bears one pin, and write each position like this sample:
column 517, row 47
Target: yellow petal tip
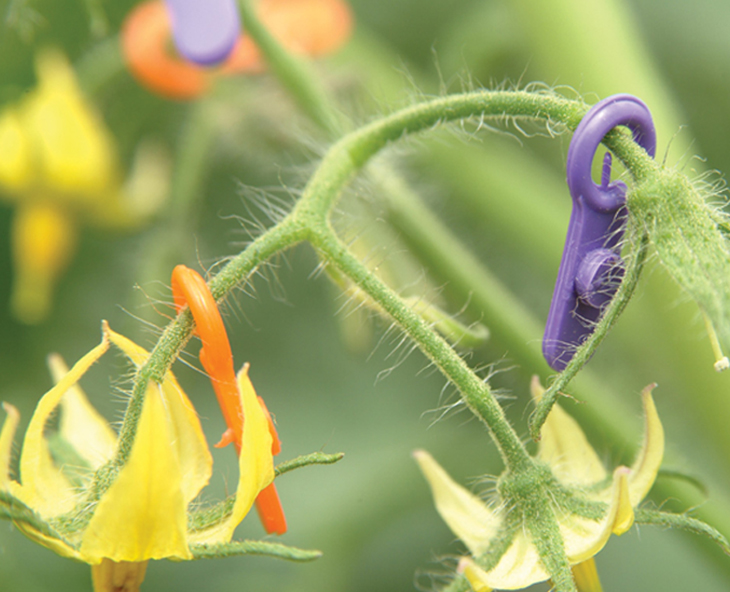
column 625, row 512
column 11, row 410
column 536, row 389
column 472, row 573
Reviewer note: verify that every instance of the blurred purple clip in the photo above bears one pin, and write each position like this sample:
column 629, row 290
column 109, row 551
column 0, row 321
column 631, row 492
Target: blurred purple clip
column 205, row 31
column 591, row 269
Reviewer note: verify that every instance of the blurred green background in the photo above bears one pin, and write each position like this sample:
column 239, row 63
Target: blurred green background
column 377, row 400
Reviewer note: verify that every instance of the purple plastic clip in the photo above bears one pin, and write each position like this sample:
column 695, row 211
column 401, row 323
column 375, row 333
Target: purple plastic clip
column 204, row 31
column 591, row 268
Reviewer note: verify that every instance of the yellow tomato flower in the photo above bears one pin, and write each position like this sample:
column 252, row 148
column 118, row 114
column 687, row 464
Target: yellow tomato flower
column 577, row 467
column 58, row 165
column 145, row 513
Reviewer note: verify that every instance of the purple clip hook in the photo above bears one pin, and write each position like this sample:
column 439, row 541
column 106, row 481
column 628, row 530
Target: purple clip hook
column 591, row 268
column 205, row 31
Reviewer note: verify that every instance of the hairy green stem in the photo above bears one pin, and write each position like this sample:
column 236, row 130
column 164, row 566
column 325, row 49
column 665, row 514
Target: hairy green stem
column 475, row 392
column 315, row 458
column 236, row 548
column 175, row 336
column 684, row 522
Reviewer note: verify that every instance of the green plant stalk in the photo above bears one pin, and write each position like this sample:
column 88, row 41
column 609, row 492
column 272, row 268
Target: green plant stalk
column 237, row 548
column 100, row 66
column 314, row 458
column 508, row 320
column 296, row 76
column 598, row 48
column 171, row 238
column 294, row 73
column 475, row 392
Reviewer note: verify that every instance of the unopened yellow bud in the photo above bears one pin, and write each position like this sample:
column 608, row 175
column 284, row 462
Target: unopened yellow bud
column 44, row 239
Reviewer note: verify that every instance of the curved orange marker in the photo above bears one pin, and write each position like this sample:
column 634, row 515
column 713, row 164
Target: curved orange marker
column 311, row 27
column 188, row 287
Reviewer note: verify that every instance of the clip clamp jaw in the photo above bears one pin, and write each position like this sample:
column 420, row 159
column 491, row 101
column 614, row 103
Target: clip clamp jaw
column 591, row 268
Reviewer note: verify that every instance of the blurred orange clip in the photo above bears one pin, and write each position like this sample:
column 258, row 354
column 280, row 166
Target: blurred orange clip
column 309, row 27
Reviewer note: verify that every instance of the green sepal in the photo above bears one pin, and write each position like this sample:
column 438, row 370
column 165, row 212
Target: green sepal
column 305, row 460
column 456, row 333
column 658, row 518
column 210, row 516
column 11, row 508
column 235, row 548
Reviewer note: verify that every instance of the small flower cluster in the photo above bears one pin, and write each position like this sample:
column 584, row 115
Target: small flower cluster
column 71, row 498
column 589, row 504
column 59, row 168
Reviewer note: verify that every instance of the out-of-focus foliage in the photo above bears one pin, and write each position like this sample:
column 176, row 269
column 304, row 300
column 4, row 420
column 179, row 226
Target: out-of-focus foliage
column 371, row 514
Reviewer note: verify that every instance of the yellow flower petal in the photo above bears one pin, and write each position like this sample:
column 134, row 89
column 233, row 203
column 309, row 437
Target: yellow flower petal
column 143, row 514
column 43, row 239
column 466, row 515
column 6, row 442
column 473, row 574
column 81, row 425
column 16, row 162
column 647, row 463
column 564, row 447
column 73, row 148
column 583, row 537
column 518, row 568
column 44, row 488
column 136, row 354
column 255, row 463
column 196, row 463
column 624, row 518
column 521, row 567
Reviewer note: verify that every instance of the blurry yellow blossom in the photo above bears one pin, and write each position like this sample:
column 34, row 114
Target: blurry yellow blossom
column 578, row 469
column 145, row 512
column 59, row 166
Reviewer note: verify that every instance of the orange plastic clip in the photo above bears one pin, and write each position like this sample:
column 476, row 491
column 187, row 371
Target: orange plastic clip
column 188, row 287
